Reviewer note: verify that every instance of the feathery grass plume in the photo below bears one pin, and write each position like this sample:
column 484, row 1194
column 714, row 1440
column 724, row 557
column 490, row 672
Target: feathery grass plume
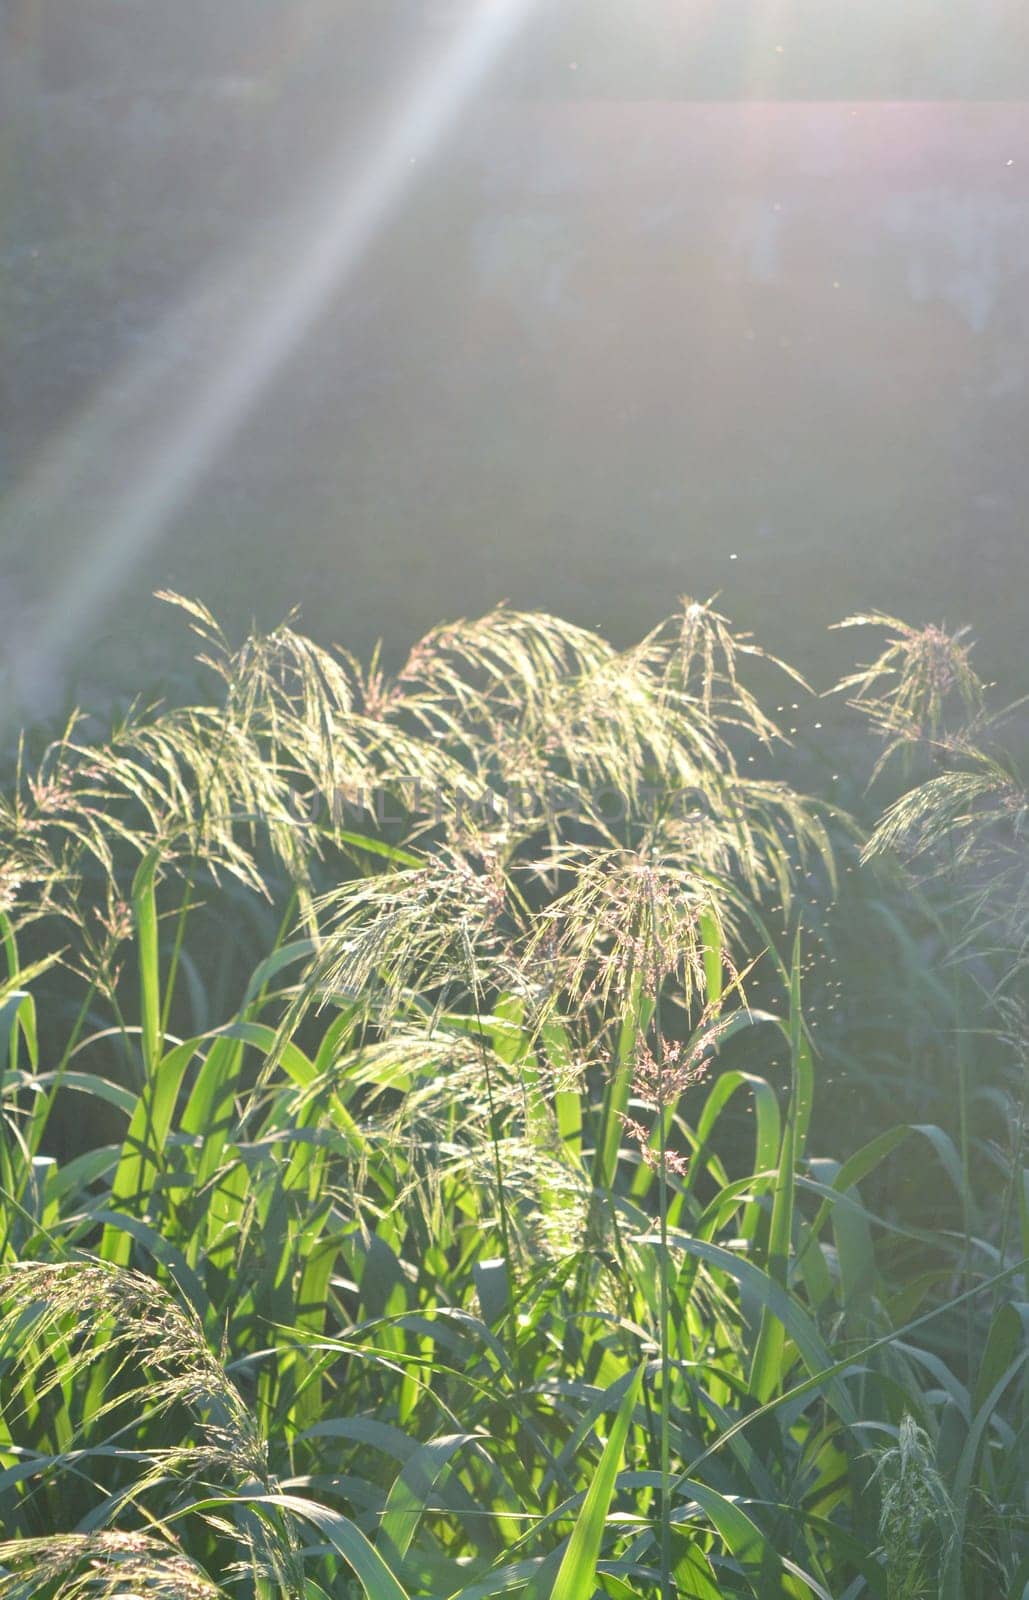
column 916, row 1519
column 299, row 706
column 629, row 917
column 425, row 1114
column 967, row 830
column 403, row 935
column 661, row 1076
column 101, row 1566
column 507, row 665
column 482, row 709
column 957, row 809
column 421, row 1104
column 552, row 1197
column 995, row 1539
column 207, row 786
column 48, row 1312
column 540, row 713
column 756, row 835
column 962, row 831
column 538, row 708
column 920, row 686
column 697, row 653
column 92, row 1345
column 185, row 785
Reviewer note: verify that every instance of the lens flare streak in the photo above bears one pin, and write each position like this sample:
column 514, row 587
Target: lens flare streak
column 124, row 469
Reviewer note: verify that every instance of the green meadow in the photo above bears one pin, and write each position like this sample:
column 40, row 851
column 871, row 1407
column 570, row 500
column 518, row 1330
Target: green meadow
column 517, row 1126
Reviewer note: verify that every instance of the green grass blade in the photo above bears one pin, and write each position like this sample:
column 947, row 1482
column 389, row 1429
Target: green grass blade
column 766, row 1371
column 144, row 902
column 407, row 1499
column 576, row 1576
column 741, row 1536
column 634, row 1025
column 344, row 1536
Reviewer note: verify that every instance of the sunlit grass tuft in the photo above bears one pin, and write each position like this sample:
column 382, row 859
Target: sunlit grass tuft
column 398, row 1194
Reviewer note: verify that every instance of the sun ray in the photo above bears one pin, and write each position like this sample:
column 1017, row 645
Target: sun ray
column 122, row 470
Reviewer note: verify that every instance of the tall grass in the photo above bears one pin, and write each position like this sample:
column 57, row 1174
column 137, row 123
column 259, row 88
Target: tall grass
column 394, row 1197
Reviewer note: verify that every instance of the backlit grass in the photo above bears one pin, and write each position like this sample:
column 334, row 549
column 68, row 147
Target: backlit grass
column 399, row 1196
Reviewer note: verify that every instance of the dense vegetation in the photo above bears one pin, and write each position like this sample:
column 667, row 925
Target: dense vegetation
column 411, row 1090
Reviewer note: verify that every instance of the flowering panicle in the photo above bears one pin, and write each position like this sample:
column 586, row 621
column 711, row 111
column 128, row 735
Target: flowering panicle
column 659, row 1081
